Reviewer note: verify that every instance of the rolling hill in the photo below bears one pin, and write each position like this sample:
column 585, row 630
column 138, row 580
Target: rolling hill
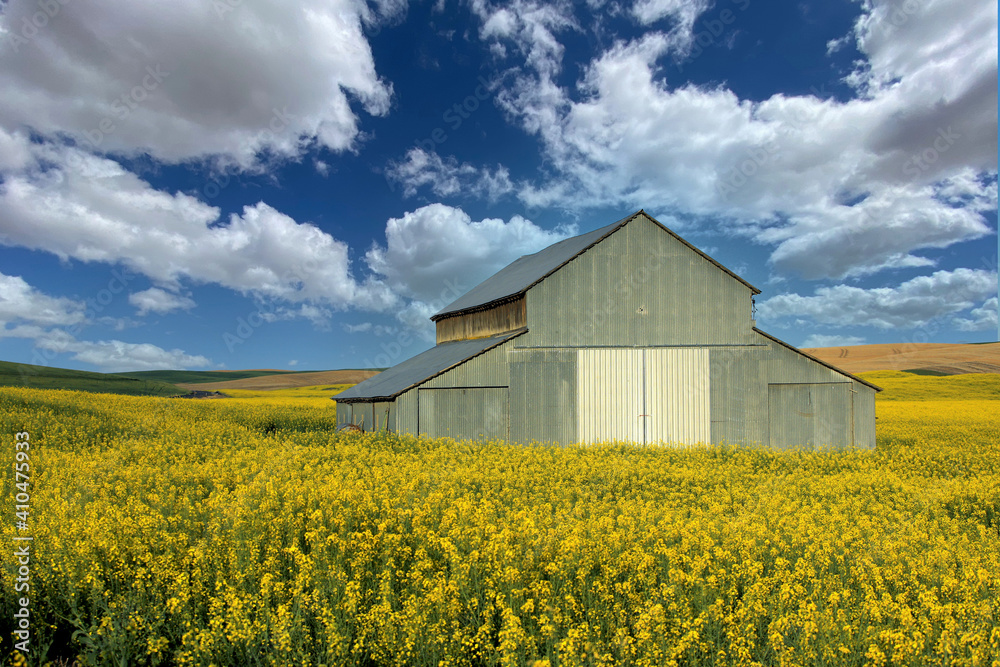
column 199, row 377
column 172, row 382
column 921, row 358
column 46, row 377
column 286, row 380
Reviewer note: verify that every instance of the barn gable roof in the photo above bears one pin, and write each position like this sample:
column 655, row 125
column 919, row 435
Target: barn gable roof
column 419, row 369
column 527, row 271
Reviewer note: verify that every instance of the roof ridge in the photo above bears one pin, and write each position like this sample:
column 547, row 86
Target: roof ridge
column 520, row 275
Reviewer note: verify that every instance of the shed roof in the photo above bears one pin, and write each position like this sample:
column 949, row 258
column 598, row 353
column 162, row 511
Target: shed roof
column 419, row 369
column 528, row 270
column 817, row 360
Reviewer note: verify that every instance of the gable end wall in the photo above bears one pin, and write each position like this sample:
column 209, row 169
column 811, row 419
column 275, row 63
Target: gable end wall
column 640, row 286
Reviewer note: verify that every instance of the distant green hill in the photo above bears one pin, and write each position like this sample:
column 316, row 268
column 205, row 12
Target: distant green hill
column 195, row 377
column 46, row 377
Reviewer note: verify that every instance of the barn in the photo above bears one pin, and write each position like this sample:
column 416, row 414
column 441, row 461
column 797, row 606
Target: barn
column 625, row 333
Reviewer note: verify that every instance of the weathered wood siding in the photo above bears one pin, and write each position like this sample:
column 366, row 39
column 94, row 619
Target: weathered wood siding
column 499, row 319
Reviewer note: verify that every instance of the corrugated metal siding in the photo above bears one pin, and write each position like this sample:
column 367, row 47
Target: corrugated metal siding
column 644, row 395
column 363, row 415
column 639, row 287
column 543, row 399
column 421, row 368
column 471, row 410
column 370, row 416
column 864, row 417
column 383, row 416
column 739, row 395
column 810, row 415
column 527, row 269
column 344, row 412
column 476, row 413
column 678, row 392
column 489, row 369
column 406, row 412
column 786, row 366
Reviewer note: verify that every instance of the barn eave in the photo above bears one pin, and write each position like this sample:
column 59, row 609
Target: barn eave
column 422, row 368
column 817, row 360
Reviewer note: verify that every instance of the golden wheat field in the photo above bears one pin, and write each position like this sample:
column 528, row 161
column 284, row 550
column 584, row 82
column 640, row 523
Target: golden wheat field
column 246, row 531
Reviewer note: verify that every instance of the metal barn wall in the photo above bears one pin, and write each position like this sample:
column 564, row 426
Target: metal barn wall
column 543, row 401
column 383, row 417
column 677, row 392
column 406, row 412
column 489, row 369
column 638, row 287
column 344, row 413
column 362, row 415
column 785, row 366
column 738, row 394
column 475, row 413
column 369, row 416
column 611, row 395
column 810, row 415
column 864, row 416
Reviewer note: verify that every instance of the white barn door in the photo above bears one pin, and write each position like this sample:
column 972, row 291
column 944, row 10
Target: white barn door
column 643, row 395
column 677, row 397
column 609, row 395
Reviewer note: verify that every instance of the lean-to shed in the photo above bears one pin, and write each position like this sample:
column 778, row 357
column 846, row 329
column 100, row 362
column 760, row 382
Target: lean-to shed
column 626, row 333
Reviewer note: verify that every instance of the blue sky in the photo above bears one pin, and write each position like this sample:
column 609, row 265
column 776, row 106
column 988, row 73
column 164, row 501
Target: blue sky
column 256, row 184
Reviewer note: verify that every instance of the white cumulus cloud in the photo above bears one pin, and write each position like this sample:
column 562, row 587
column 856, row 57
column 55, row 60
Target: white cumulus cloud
column 191, row 80
column 91, row 209
column 22, row 303
column 984, row 318
column 683, row 14
column 911, row 304
column 52, row 323
column 156, row 300
column 114, row 355
column 446, row 177
column 830, row 340
column 840, row 188
column 435, row 254
column 438, row 252
column 15, row 150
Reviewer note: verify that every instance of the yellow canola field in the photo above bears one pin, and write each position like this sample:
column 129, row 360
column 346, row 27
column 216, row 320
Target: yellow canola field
column 248, row 532
column 319, row 397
